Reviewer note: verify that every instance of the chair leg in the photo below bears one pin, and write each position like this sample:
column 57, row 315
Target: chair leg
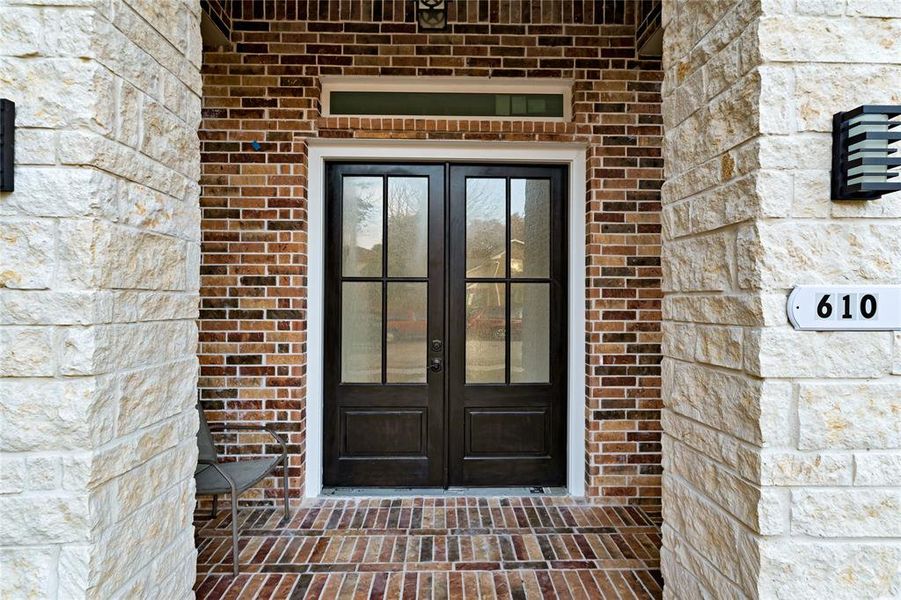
column 234, row 499
column 215, row 510
column 285, row 485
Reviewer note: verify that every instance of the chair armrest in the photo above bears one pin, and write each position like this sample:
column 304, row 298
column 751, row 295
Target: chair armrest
column 263, row 428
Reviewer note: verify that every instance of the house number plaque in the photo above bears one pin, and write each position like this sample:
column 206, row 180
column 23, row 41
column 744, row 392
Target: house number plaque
column 845, row 307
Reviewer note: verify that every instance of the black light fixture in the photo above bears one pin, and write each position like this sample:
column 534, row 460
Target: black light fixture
column 7, row 155
column 431, row 14
column 864, row 160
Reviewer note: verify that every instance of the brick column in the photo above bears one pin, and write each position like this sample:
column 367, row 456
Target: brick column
column 99, row 268
column 781, row 448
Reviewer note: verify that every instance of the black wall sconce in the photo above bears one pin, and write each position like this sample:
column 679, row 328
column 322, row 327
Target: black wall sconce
column 864, row 160
column 7, row 154
column 431, row 14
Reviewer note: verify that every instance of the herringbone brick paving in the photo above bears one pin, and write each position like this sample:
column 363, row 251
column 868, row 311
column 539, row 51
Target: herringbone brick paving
column 434, row 547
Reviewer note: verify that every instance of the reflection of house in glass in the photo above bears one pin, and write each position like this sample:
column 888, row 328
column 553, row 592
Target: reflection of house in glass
column 488, row 324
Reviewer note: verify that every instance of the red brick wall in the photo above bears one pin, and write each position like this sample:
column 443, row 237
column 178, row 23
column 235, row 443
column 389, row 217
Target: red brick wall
column 253, row 333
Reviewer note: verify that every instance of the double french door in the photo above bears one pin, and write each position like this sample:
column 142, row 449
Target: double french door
column 445, row 325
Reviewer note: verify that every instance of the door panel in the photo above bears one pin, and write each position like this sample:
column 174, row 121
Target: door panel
column 506, row 361
column 384, row 408
column 405, row 404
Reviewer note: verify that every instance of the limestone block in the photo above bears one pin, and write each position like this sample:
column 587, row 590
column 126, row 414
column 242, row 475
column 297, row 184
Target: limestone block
column 877, row 468
column 731, row 203
column 26, row 572
column 849, row 415
column 154, row 477
column 145, row 261
column 156, row 393
column 698, row 264
column 690, row 182
column 46, row 518
column 793, row 468
column 727, row 544
column 54, row 308
column 26, row 351
column 847, row 512
column 74, row 570
column 167, row 139
column 34, row 147
column 676, row 220
column 81, row 350
column 59, row 192
column 825, row 89
column 192, row 266
column 44, row 472
column 80, row 102
column 131, row 544
column 896, row 361
column 840, row 571
column 784, row 254
column 678, row 340
column 83, row 244
column 819, row 7
column 720, row 346
column 812, row 191
column 129, row 43
column 168, row 18
column 27, row 254
column 84, row 148
column 13, row 473
column 91, row 470
column 817, row 39
column 139, row 305
column 714, row 444
column 687, row 572
column 873, row 8
column 717, row 483
column 750, row 409
column 46, row 414
column 777, row 100
column 732, row 309
column 152, row 211
column 792, row 152
column 23, row 31
column 784, row 352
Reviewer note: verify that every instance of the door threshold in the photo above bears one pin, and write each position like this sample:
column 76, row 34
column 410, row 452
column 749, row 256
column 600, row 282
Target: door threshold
column 451, row 492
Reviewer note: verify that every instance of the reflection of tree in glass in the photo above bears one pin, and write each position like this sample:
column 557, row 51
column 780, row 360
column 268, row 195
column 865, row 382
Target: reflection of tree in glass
column 362, row 230
column 408, row 214
column 485, row 227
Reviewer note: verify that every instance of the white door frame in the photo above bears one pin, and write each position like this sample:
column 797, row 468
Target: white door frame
column 573, row 155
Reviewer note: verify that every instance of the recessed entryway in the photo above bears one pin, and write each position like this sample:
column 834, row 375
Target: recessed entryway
column 445, row 325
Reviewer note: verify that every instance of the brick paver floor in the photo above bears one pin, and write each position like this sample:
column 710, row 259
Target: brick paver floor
column 435, row 547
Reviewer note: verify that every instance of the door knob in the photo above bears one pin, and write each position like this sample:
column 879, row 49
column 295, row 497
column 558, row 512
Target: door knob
column 435, row 365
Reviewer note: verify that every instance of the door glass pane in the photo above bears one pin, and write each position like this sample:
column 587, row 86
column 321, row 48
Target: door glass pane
column 530, row 227
column 486, row 332
column 362, row 229
column 408, row 226
column 361, row 332
column 407, row 331
column 486, row 227
column 529, row 332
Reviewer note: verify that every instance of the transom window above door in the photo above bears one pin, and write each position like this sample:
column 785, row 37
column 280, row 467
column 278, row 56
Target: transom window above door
column 463, row 97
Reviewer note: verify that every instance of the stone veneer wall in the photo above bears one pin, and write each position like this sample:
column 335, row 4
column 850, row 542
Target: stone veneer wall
column 266, row 88
column 99, row 266
column 782, row 449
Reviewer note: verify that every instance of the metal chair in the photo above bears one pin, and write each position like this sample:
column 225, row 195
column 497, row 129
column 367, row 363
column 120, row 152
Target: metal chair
column 214, row 477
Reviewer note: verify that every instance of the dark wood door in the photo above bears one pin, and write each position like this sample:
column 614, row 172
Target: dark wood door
column 427, row 388
column 507, row 334
column 384, row 380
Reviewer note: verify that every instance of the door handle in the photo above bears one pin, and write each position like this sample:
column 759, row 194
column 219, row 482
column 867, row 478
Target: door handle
column 435, row 365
